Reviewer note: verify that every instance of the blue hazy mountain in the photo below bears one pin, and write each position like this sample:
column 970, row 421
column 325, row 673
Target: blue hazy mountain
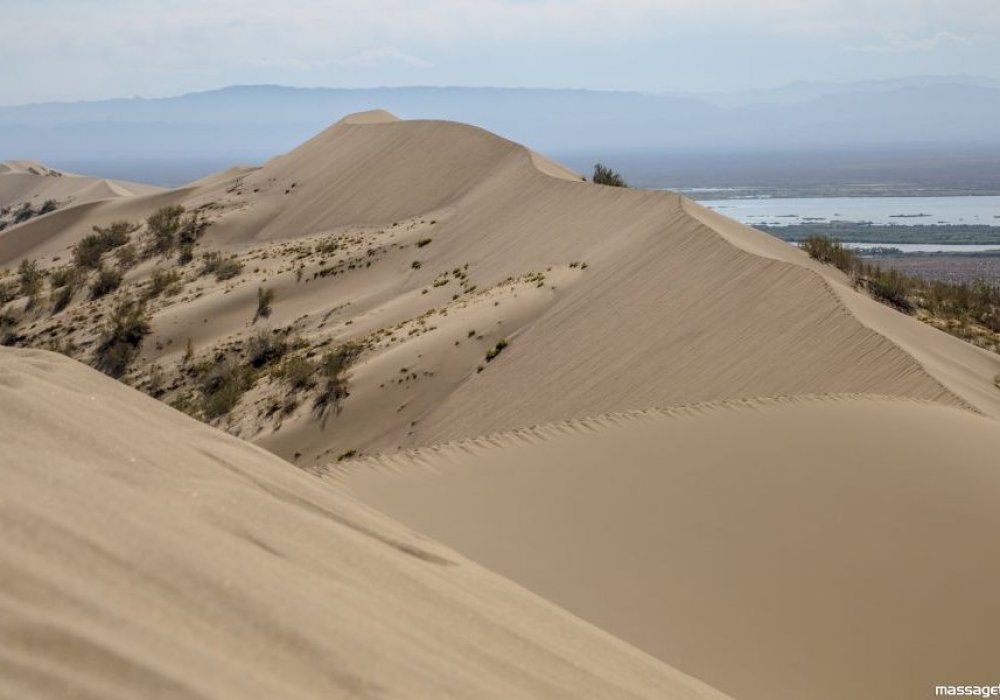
column 252, row 123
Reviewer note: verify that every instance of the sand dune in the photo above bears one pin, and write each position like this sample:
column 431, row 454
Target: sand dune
column 609, row 299
column 147, row 555
column 817, row 524
column 29, row 182
column 817, row 547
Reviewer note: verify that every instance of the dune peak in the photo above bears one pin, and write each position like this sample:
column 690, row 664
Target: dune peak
column 372, row 116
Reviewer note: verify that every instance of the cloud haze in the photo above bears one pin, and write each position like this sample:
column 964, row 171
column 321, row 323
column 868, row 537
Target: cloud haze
column 75, row 49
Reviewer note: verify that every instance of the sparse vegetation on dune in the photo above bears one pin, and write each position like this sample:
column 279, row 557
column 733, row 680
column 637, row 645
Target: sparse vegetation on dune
column 604, row 175
column 11, row 215
column 265, row 297
column 172, row 228
column 222, row 385
column 106, row 281
column 333, row 369
column 89, row 252
column 297, row 371
column 125, row 329
column 30, row 278
column 163, row 282
column 224, row 268
column 245, row 379
column 265, row 348
column 495, row 351
column 970, row 311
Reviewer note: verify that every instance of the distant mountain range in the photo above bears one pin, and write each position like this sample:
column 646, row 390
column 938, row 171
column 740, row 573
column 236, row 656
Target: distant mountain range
column 253, row 123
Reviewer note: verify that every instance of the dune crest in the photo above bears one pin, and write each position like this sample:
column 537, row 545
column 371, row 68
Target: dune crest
column 373, row 116
column 678, row 428
column 840, row 542
column 430, row 243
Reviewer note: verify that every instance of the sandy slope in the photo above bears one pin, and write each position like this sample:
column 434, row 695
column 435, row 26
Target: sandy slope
column 817, row 547
column 147, row 555
column 832, row 546
column 27, row 181
column 674, row 306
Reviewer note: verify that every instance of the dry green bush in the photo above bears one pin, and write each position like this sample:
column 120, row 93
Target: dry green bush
column 91, row 248
column 264, row 298
column 125, row 328
column 265, row 348
column 960, row 304
column 222, row 268
column 163, row 282
column 30, row 278
column 222, row 386
column 829, row 251
column 106, row 282
column 297, row 371
column 606, row 176
column 496, row 350
column 170, row 229
column 332, row 369
column 164, row 225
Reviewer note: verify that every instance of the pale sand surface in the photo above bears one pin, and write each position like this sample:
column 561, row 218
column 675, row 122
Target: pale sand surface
column 813, row 547
column 147, row 555
column 820, row 525
column 675, row 306
column 27, row 181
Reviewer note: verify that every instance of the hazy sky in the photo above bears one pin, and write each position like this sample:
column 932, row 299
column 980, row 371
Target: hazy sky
column 81, row 49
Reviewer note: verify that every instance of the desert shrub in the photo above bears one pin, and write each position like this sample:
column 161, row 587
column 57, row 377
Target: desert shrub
column 170, row 229
column 91, row 248
column 606, row 176
column 888, row 286
column 185, row 253
column 125, row 328
column 264, row 298
column 496, row 350
column 163, row 281
column 8, row 292
column 829, row 251
column 192, row 227
column 62, row 297
column 164, row 225
column 297, row 371
column 63, row 276
column 88, row 252
column 23, row 213
column 64, row 282
column 266, row 348
column 8, row 332
column 106, row 282
column 30, row 278
column 331, row 245
column 424, row 241
column 154, row 386
column 222, row 385
column 960, row 304
column 127, row 256
column 333, row 368
column 49, row 205
column 222, row 268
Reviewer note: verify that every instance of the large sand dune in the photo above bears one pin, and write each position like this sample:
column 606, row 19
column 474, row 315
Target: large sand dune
column 32, row 183
column 816, row 547
column 146, row 555
column 818, row 523
column 610, row 299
